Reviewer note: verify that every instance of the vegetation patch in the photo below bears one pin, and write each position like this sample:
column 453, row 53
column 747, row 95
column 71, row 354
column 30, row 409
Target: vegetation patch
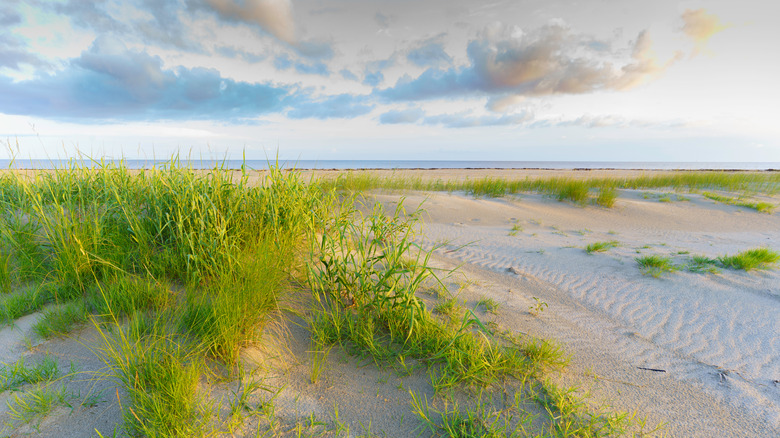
column 601, row 246
column 756, row 258
column 655, row 265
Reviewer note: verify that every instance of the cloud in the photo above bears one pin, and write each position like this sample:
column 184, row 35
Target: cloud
column 9, row 16
column 233, row 52
column 430, row 53
column 701, row 26
column 13, row 54
column 284, row 62
column 500, row 104
column 373, row 78
column 165, row 26
column 89, row 14
column 550, row 60
column 110, row 82
column 273, row 16
column 348, row 75
column 330, row 107
column 467, row 121
column 382, row 20
column 403, row 116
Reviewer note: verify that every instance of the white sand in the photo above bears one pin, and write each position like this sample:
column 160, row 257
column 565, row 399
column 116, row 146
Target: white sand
column 715, row 336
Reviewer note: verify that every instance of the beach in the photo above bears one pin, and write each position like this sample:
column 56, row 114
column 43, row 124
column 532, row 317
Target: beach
column 694, row 351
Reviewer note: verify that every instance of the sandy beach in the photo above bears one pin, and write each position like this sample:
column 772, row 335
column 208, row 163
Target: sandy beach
column 695, row 352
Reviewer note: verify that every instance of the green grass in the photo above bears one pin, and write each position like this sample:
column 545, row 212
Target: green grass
column 182, row 270
column 655, row 265
column 577, row 190
column 756, row 258
column 763, row 207
column 15, row 375
column 489, row 304
column 37, row 403
column 60, row 320
column 601, row 246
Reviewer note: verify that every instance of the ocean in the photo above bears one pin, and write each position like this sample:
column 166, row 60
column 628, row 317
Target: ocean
column 398, row 164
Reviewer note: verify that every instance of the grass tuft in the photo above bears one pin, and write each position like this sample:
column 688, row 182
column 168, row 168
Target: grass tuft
column 601, row 246
column 655, row 265
column 757, row 258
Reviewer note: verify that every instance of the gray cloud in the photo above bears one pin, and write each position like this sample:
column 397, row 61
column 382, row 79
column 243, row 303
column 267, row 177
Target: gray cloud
column 233, row 52
column 382, row 20
column 285, row 62
column 430, row 53
column 9, row 16
column 467, row 121
column 88, row 14
column 544, row 62
column 348, row 75
column 110, row 82
column 273, row 16
column 403, row 116
column 329, row 107
column 13, row 53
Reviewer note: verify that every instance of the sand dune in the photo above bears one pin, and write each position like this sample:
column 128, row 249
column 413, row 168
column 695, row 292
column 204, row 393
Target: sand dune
column 715, row 336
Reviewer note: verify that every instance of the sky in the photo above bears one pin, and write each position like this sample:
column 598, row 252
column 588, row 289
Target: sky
column 518, row 80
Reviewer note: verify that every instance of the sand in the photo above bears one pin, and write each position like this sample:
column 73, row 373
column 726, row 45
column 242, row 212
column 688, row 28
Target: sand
column 697, row 352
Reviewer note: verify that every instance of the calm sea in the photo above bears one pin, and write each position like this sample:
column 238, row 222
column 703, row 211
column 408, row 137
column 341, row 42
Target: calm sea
column 403, row 164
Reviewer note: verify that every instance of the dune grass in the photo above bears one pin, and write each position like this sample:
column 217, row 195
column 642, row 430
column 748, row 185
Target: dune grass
column 655, row 265
column 756, row 258
column 181, row 269
column 601, row 246
column 763, row 207
column 598, row 191
column 17, row 374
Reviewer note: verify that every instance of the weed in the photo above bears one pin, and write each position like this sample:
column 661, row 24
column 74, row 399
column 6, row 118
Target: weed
column 490, row 305
column 515, row 229
column 38, row 402
column 601, row 246
column 60, row 320
column 538, row 306
column 655, row 265
column 757, row 258
column 13, row 376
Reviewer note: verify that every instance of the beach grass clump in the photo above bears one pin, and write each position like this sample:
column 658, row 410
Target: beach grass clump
column 15, row 375
column 160, row 376
column 367, row 302
column 601, row 246
column 701, row 263
column 127, row 293
column 760, row 206
column 38, row 402
column 574, row 191
column 655, row 265
column 756, row 258
column 606, row 197
column 61, row 319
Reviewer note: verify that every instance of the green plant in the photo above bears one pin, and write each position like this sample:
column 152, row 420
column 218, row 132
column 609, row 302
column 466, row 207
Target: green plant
column 538, row 306
column 607, row 196
column 60, row 320
column 655, row 265
column 489, row 304
column 515, row 229
column 700, row 263
column 756, row 258
column 38, row 402
column 13, row 376
column 601, row 246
